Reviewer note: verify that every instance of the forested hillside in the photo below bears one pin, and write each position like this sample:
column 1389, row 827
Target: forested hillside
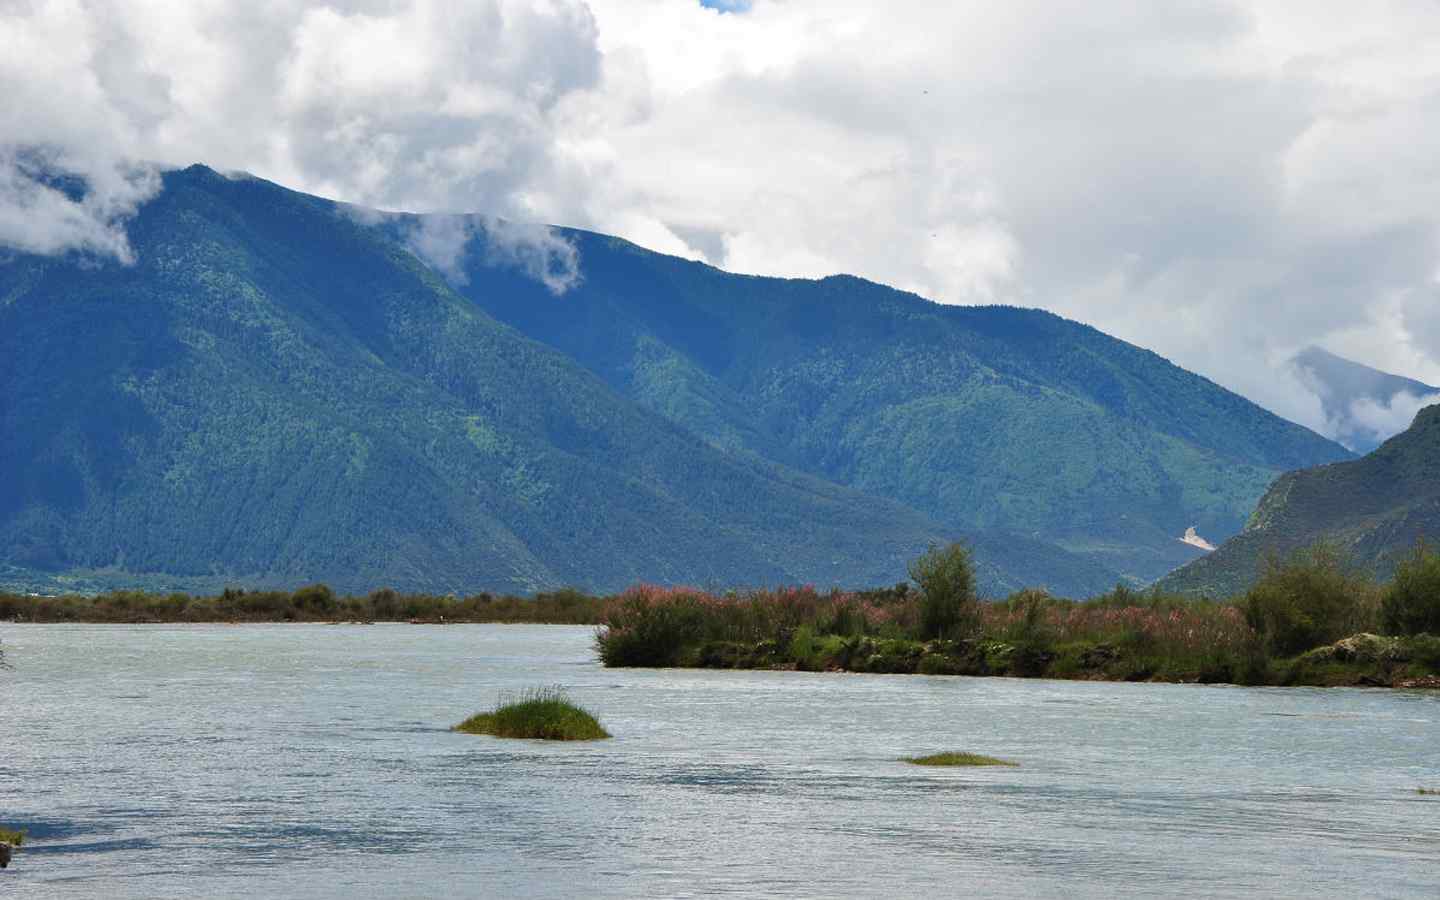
column 1373, row 509
column 279, row 390
column 983, row 418
column 276, row 394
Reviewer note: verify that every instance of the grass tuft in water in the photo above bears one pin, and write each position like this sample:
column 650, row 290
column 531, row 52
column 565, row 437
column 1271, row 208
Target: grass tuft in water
column 1428, row 792
column 13, row 838
column 957, row 759
column 537, row 713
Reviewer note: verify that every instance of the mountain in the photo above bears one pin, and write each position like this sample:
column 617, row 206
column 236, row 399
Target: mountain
column 274, row 393
column 279, row 390
column 1364, row 406
column 983, row 418
column 1374, row 507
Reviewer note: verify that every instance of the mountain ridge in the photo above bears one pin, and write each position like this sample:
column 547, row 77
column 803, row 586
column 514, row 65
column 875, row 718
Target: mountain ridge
column 696, row 344
column 280, row 390
column 1374, row 508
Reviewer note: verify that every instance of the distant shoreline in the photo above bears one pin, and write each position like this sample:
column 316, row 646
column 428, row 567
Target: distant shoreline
column 315, row 604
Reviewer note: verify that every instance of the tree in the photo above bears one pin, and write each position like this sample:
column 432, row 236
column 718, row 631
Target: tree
column 1313, row 597
column 946, row 578
column 1412, row 601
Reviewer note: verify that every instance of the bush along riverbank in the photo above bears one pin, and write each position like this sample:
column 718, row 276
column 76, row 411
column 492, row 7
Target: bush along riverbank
column 313, row 603
column 1310, row 620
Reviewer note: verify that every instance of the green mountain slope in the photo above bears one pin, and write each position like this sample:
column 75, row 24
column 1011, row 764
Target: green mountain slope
column 983, row 418
column 275, row 394
column 280, row 391
column 1374, row 507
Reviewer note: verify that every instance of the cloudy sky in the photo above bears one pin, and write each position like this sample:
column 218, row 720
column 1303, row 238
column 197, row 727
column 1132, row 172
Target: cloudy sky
column 1222, row 182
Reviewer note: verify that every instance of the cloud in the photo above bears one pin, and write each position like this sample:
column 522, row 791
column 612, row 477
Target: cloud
column 47, row 206
column 448, row 242
column 1377, row 420
column 1225, row 182
column 535, row 250
column 428, row 106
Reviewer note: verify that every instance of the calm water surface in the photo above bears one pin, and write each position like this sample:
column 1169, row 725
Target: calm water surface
column 314, row 761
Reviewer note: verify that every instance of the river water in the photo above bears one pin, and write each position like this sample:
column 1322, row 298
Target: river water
column 315, row 761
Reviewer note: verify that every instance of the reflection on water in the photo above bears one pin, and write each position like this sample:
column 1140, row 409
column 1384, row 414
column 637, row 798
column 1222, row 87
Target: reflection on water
column 314, row 761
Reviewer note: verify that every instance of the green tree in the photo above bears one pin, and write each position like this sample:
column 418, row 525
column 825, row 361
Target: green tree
column 1313, row 597
column 946, row 578
column 1412, row 601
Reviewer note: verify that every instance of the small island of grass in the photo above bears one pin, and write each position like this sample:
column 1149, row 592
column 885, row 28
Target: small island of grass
column 541, row 713
column 8, row 841
column 1428, row 792
column 957, row 759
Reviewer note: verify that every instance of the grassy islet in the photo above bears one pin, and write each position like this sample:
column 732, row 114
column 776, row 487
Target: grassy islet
column 545, row 713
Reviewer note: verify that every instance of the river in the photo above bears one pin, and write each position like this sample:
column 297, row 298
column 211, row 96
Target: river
column 315, row 761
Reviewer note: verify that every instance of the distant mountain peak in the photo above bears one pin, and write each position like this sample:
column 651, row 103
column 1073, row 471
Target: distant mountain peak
column 1363, row 406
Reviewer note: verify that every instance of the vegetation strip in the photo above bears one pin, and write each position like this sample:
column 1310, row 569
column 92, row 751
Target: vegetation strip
column 313, row 603
column 538, row 713
column 13, row 838
column 1310, row 620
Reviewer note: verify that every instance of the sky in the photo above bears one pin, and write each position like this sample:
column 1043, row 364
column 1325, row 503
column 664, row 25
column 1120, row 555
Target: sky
column 1221, row 182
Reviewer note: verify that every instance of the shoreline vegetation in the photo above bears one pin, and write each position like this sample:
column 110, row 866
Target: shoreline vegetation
column 315, row 603
column 1311, row 619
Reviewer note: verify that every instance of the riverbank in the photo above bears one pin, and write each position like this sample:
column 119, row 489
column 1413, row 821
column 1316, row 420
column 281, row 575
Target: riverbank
column 313, row 603
column 1123, row 636
column 1363, row 660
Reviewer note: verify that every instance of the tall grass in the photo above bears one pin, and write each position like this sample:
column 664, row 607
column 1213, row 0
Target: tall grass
column 545, row 713
column 654, row 626
column 649, row 625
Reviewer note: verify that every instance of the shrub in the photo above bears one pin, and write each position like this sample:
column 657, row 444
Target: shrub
column 539, row 713
column 1314, row 597
column 315, row 599
column 1412, row 601
column 650, row 627
column 1029, row 632
column 13, row 838
column 948, row 607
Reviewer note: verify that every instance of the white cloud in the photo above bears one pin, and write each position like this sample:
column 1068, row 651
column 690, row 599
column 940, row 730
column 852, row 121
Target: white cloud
column 428, row 106
column 1377, row 420
column 42, row 213
column 1222, row 181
